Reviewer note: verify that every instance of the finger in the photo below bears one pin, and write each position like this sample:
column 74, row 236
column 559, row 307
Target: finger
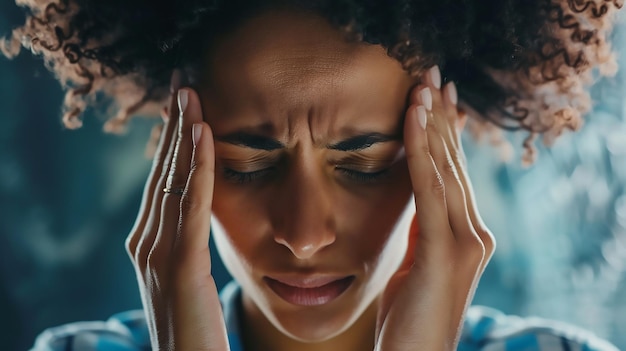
column 165, row 154
column 458, row 216
column 161, row 153
column 196, row 304
column 486, row 236
column 142, row 236
column 450, row 99
column 432, row 99
column 428, row 187
column 460, row 126
column 422, row 95
column 198, row 196
column 445, row 102
column 465, row 220
column 433, row 81
column 198, row 292
column 476, row 242
column 146, row 241
column 470, row 249
column 446, row 99
column 190, row 113
column 151, row 261
column 433, row 77
column 456, row 119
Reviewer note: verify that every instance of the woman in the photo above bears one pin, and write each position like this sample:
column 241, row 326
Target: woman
column 318, row 142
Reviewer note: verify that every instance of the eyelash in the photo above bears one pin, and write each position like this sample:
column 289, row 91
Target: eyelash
column 356, row 176
column 246, row 177
column 364, row 177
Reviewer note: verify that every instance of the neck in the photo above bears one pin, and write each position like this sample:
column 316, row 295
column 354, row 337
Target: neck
column 259, row 334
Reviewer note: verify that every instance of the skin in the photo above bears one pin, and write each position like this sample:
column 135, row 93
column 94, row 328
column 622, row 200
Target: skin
column 291, row 78
column 274, row 77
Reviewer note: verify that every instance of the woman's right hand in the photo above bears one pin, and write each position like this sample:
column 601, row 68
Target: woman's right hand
column 169, row 243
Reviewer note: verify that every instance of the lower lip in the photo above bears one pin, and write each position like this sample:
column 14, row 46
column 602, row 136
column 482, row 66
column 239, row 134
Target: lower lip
column 310, row 296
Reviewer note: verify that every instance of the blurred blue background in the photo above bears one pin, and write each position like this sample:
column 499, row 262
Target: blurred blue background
column 69, row 198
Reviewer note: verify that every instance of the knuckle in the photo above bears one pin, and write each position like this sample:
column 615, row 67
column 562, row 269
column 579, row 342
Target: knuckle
column 140, row 259
column 488, row 240
column 187, row 207
column 474, row 250
column 193, row 203
column 477, row 250
column 458, row 158
column 423, row 150
column 143, row 249
column 153, row 260
column 188, row 204
column 415, row 155
column 437, row 185
column 130, row 244
column 420, row 150
column 193, row 168
column 449, row 168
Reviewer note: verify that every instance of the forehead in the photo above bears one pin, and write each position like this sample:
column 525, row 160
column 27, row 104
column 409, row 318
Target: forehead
column 282, row 63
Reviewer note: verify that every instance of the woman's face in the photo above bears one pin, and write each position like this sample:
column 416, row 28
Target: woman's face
column 311, row 181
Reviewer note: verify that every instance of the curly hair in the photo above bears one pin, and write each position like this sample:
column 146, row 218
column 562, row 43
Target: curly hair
column 518, row 64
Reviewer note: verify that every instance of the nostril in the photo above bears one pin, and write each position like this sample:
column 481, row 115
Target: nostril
column 304, row 247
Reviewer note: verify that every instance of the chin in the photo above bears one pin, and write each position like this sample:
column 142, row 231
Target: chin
column 312, row 327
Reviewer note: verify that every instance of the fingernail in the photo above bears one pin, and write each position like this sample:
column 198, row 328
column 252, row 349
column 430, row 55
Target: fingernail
column 435, row 76
column 427, row 98
column 196, row 132
column 182, row 100
column 421, row 116
column 452, row 94
column 165, row 115
column 175, row 80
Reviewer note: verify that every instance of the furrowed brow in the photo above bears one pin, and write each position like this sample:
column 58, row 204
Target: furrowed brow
column 361, row 142
column 252, row 141
column 260, row 142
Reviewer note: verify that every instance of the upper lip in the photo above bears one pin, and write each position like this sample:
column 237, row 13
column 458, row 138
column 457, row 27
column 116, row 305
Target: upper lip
column 307, row 281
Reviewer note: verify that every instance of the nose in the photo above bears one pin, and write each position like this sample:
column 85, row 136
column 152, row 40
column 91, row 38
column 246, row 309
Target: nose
column 303, row 211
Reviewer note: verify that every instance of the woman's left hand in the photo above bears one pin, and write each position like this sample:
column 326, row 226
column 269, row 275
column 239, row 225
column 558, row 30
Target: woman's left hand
column 424, row 304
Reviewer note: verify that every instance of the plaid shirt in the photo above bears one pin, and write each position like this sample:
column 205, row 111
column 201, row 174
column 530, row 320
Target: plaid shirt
column 484, row 329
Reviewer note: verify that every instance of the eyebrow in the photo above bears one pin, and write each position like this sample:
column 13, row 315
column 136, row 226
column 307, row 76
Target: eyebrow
column 363, row 141
column 260, row 142
column 252, row 141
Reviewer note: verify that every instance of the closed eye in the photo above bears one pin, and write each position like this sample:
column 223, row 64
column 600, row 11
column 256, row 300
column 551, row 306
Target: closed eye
column 246, row 177
column 363, row 177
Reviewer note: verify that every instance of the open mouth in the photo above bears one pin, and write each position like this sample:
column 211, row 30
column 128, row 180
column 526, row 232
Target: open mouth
column 310, row 296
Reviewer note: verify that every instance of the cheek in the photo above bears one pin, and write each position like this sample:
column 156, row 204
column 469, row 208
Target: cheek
column 371, row 221
column 241, row 224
